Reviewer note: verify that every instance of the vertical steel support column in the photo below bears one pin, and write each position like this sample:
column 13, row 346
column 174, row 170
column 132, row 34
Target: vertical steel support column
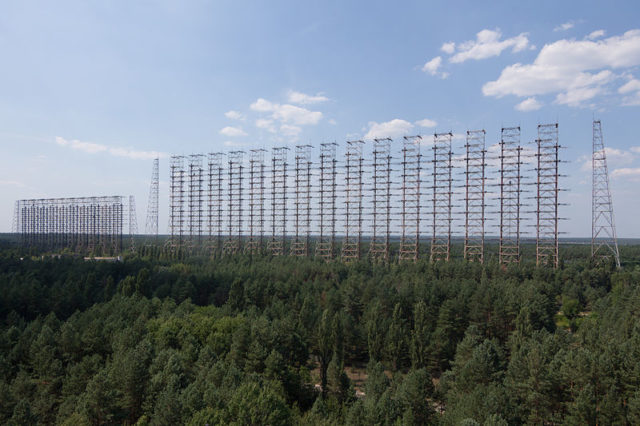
column 278, row 241
column 474, row 214
column 547, row 195
column 325, row 247
column 256, row 201
column 510, row 190
column 442, row 181
column 151, row 225
column 410, row 226
column 381, row 200
column 302, row 217
column 215, row 216
column 176, row 201
column 351, row 244
column 233, row 242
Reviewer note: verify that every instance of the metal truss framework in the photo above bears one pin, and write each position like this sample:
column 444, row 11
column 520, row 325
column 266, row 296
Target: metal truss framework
column 351, row 244
column 369, row 202
column 195, row 200
column 510, row 192
column 132, row 222
column 410, row 239
column 547, row 193
column 604, row 241
column 176, row 201
column 88, row 224
column 442, row 182
column 325, row 247
column 151, row 225
column 474, row 214
column 256, row 201
column 233, row 241
column 278, row 201
column 381, row 200
column 302, row 212
column 215, row 200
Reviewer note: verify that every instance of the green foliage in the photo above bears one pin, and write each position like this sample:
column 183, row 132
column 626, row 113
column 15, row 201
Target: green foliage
column 260, row 340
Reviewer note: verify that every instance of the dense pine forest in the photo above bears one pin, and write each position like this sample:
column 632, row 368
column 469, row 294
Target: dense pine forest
column 262, row 340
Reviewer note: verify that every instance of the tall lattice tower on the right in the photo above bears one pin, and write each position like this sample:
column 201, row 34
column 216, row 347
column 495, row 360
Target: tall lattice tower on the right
column 604, row 242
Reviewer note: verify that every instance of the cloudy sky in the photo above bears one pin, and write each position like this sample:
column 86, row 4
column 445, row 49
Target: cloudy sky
column 91, row 92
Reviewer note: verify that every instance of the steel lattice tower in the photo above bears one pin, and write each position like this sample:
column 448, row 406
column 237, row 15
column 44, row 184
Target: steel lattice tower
column 256, row 201
column 88, row 224
column 547, row 195
column 442, row 182
column 410, row 240
column 215, row 198
column 302, row 217
column 233, row 239
column 510, row 191
column 195, row 199
column 277, row 243
column 176, row 201
column 474, row 215
column 381, row 200
column 133, row 221
column 353, row 203
column 604, row 242
column 151, row 226
column 325, row 246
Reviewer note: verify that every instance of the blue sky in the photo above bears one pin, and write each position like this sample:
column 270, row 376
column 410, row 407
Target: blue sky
column 91, row 91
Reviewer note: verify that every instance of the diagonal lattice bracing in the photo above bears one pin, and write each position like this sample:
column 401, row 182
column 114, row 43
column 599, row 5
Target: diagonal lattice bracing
column 277, row 242
column 442, row 182
column 351, row 244
column 547, row 195
column 474, row 213
column 302, row 208
column 410, row 225
column 381, row 200
column 510, row 192
column 325, row 247
column 256, row 201
column 604, row 242
column 235, row 169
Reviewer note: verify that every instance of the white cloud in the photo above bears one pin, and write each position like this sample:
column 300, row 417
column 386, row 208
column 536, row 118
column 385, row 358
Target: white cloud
column 432, row 67
column 632, row 85
column 618, row 157
column 234, row 115
column 262, row 105
column 287, row 113
column 564, row 27
column 296, row 115
column 291, row 131
column 233, row 132
column 12, row 183
column 596, row 34
column 94, row 148
column 449, row 47
column 529, row 104
column 389, row 129
column 263, row 123
column 426, row 123
column 488, row 44
column 576, row 70
column 635, row 149
column 304, row 99
column 627, row 172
